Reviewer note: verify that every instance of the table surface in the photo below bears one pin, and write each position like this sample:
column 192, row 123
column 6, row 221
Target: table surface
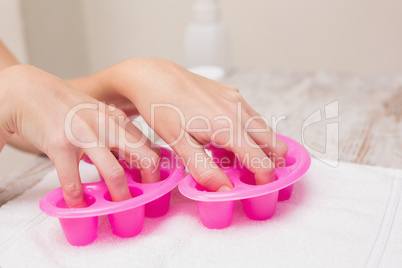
column 361, row 118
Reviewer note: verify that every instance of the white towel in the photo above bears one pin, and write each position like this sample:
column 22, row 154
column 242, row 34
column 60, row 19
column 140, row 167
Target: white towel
column 349, row 216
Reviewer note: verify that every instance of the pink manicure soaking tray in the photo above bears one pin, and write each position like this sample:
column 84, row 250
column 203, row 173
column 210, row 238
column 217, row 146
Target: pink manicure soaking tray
column 152, row 200
column 126, row 217
column 259, row 202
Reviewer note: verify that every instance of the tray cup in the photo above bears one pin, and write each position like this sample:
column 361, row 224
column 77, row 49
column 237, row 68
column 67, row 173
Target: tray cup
column 158, row 207
column 79, row 231
column 285, row 193
column 216, row 215
column 130, row 222
column 261, row 207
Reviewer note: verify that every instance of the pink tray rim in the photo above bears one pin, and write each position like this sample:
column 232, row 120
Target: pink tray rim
column 244, row 191
column 47, row 203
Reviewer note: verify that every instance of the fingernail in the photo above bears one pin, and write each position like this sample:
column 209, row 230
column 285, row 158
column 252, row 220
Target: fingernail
column 224, row 188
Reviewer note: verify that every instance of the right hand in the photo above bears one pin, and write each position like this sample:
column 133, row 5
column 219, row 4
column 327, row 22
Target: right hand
column 217, row 113
column 35, row 105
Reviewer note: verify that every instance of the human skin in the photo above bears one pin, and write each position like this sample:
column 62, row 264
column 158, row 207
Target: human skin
column 134, row 86
column 34, row 105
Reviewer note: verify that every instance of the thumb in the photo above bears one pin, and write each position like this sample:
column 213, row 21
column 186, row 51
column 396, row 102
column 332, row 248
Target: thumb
column 202, row 168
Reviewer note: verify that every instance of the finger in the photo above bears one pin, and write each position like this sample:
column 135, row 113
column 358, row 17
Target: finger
column 70, row 181
column 263, row 135
column 201, row 166
column 252, row 157
column 138, row 151
column 111, row 171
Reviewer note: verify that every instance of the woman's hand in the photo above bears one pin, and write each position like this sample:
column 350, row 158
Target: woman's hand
column 68, row 125
column 188, row 111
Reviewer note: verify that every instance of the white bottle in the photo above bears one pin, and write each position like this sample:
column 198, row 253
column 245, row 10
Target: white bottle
column 206, row 44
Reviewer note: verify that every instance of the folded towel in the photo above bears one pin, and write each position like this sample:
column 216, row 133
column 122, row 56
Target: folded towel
column 349, row 216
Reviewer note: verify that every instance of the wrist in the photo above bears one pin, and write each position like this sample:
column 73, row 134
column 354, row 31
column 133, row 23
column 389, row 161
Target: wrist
column 117, row 83
column 131, row 76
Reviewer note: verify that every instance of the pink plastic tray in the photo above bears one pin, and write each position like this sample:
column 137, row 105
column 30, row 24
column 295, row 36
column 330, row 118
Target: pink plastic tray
column 126, row 217
column 259, row 201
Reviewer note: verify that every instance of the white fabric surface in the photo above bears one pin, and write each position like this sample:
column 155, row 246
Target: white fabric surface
column 349, row 216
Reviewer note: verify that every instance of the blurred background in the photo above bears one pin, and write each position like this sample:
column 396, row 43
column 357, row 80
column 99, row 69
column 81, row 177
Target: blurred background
column 72, row 38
